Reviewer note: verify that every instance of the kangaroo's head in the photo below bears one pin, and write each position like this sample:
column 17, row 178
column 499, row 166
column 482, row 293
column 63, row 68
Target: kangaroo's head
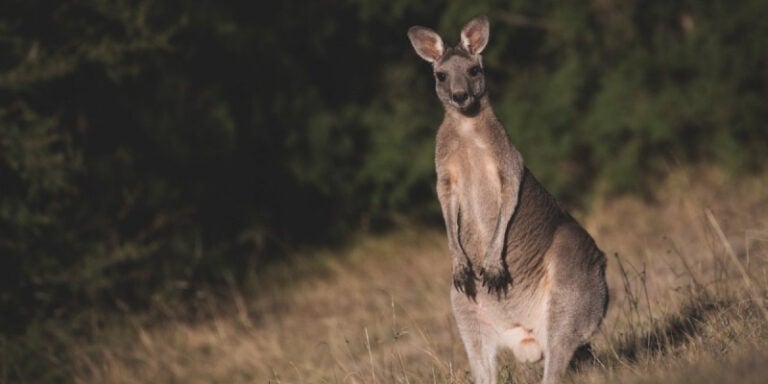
column 459, row 79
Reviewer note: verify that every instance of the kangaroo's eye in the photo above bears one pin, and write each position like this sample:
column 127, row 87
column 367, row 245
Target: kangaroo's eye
column 440, row 76
column 476, row 70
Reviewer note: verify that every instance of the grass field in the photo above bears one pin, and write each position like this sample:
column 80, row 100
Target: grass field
column 687, row 275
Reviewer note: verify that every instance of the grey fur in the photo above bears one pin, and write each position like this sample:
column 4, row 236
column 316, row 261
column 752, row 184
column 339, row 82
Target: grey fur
column 543, row 288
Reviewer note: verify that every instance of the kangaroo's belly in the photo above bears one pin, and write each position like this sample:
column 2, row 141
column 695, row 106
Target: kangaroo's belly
column 516, row 322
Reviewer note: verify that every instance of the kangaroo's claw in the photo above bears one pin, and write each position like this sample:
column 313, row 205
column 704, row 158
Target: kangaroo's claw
column 496, row 280
column 464, row 281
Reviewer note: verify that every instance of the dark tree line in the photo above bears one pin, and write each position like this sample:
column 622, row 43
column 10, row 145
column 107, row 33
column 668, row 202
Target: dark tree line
column 150, row 145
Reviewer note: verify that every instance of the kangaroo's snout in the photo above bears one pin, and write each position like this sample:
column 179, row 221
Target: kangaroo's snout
column 460, row 97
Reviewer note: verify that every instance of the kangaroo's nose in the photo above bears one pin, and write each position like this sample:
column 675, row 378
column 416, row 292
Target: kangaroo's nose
column 459, row 97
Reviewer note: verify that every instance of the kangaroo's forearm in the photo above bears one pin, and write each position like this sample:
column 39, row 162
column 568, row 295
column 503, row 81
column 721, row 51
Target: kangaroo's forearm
column 496, row 276
column 451, row 214
column 496, row 244
column 447, row 193
column 507, row 206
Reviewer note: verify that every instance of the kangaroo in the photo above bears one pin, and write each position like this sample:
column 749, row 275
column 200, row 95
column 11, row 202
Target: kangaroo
column 543, row 291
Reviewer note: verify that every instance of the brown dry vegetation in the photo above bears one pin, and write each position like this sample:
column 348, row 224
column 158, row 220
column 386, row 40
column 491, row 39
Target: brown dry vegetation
column 681, row 309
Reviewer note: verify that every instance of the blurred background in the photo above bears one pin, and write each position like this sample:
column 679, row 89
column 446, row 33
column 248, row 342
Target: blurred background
column 149, row 149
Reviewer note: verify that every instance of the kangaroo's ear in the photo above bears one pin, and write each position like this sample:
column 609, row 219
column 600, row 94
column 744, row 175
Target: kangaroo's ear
column 474, row 35
column 427, row 43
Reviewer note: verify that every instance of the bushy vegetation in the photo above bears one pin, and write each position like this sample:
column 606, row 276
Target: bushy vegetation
column 148, row 148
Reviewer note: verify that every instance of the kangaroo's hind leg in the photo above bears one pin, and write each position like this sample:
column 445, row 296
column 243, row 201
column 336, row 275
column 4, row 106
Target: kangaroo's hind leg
column 578, row 297
column 479, row 338
column 568, row 327
column 562, row 343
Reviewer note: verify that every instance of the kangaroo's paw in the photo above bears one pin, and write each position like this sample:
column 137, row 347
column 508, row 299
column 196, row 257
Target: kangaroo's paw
column 464, row 280
column 496, row 279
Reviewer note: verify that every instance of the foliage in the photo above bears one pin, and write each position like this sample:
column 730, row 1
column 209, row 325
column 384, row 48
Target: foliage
column 148, row 148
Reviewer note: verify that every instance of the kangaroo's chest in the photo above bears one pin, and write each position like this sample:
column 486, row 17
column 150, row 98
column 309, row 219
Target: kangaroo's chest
column 479, row 176
column 475, row 157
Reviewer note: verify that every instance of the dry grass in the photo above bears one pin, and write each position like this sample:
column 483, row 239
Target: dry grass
column 681, row 309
